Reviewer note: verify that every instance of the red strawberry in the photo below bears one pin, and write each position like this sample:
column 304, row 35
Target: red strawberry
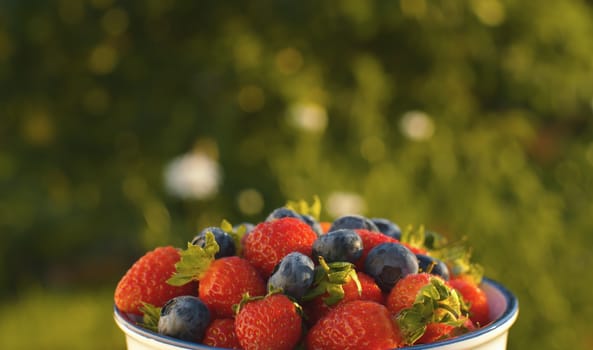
column 439, row 331
column 225, row 281
column 370, row 239
column 270, row 323
column 222, row 281
column 221, row 334
column 426, row 308
column 270, row 241
column 317, row 308
column 146, row 281
column 403, row 294
column 476, row 298
column 325, row 225
column 358, row 324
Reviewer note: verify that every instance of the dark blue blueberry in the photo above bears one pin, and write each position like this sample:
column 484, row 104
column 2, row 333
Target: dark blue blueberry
column 353, row 222
column 309, row 220
column 388, row 227
column 185, row 317
column 388, row 262
column 338, row 245
column 224, row 240
column 293, row 274
column 432, row 265
column 284, row 212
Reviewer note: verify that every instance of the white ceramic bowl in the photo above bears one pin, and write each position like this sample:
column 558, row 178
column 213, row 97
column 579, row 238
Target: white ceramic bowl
column 504, row 309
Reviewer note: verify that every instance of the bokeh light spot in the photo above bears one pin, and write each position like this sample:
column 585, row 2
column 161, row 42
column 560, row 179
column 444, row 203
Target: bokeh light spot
column 310, row 117
column 413, row 8
column 372, row 149
column 250, row 201
column 344, row 203
column 103, row 59
column 490, row 12
column 289, row 61
column 38, row 128
column 417, row 125
column 115, row 21
column 251, row 98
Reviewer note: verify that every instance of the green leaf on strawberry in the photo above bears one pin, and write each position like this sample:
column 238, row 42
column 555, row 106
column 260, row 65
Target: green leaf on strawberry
column 303, row 208
column 194, row 261
column 330, row 278
column 150, row 318
column 458, row 258
column 435, row 303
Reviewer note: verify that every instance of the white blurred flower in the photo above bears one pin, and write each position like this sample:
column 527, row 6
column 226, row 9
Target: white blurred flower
column 193, row 176
column 345, row 203
column 310, row 117
column 417, row 125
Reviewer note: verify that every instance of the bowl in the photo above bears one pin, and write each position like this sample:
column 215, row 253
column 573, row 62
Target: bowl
column 504, row 309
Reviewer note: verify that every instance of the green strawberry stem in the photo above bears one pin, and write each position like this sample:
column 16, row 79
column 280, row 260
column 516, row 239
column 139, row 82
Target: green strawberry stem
column 435, row 303
column 330, row 278
column 303, row 208
column 194, row 261
column 414, row 238
column 150, row 317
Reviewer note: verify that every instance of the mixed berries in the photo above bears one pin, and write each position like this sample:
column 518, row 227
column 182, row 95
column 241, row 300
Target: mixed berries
column 295, row 282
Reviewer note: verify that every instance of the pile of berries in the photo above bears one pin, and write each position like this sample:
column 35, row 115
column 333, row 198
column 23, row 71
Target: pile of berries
column 293, row 281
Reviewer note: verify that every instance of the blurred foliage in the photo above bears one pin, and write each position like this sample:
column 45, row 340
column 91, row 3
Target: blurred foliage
column 471, row 117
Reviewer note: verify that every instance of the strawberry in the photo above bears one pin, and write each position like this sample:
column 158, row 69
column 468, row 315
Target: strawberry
column 425, row 306
column 476, row 298
column 146, row 281
column 222, row 281
column 225, row 282
column 325, row 225
column 318, row 308
column 370, row 239
column 439, row 331
column 358, row 324
column 272, row 322
column 221, row 334
column 271, row 241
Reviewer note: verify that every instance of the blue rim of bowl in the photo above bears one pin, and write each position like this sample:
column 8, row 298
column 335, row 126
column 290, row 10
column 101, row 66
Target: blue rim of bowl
column 510, row 312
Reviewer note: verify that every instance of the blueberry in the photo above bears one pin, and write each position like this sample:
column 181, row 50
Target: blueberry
column 353, row 222
column 284, row 212
column 388, row 227
column 433, row 265
column 388, row 262
column 185, row 317
column 224, row 240
column 338, row 245
column 293, row 274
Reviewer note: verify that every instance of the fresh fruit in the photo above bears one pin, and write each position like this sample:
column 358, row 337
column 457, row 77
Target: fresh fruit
column 353, row 222
column 285, row 212
column 358, row 324
column 146, row 281
column 475, row 297
column 387, row 263
column 293, row 275
column 272, row 322
column 370, row 239
column 317, row 308
column 184, row 317
column 226, row 280
column 224, row 240
column 433, row 266
column 338, row 245
column 420, row 301
column 271, row 241
column 387, row 227
column 221, row 334
column 441, row 331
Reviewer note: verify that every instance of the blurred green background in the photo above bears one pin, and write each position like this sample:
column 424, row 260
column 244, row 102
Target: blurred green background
column 128, row 125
